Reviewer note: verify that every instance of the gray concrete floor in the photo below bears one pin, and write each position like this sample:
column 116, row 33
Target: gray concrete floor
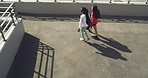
column 52, row 49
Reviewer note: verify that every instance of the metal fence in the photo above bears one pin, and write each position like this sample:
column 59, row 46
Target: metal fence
column 83, row 1
column 8, row 18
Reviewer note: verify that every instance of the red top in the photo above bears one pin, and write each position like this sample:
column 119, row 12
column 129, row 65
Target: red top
column 93, row 19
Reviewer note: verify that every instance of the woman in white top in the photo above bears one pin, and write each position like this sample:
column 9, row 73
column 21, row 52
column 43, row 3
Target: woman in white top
column 83, row 25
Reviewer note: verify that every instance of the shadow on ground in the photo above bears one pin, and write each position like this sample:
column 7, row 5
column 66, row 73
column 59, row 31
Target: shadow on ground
column 109, row 47
column 107, row 51
column 25, row 61
column 113, row 43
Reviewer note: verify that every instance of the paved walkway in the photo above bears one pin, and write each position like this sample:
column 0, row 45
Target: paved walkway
column 52, row 49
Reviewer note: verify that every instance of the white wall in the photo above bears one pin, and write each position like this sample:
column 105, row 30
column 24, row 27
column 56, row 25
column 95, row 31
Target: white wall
column 10, row 48
column 74, row 8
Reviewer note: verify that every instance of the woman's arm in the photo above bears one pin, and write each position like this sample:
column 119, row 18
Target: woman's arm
column 80, row 21
column 91, row 15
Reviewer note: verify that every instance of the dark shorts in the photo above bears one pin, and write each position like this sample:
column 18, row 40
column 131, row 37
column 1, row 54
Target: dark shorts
column 93, row 24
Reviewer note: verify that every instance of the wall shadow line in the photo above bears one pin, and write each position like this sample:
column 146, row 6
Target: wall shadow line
column 65, row 17
column 25, row 61
column 45, row 52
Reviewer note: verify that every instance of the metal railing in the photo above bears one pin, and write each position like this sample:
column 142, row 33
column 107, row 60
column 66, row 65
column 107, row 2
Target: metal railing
column 91, row 1
column 8, row 18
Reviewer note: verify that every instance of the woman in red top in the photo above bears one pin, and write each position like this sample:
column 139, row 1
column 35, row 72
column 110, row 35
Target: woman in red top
column 94, row 19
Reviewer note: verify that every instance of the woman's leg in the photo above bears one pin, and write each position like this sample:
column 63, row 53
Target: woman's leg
column 95, row 28
column 85, row 32
column 82, row 32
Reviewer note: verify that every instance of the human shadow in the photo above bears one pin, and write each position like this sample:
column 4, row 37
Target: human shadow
column 107, row 51
column 24, row 64
column 112, row 43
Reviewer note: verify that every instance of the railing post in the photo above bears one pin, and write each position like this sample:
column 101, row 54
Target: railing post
column 128, row 1
column 37, row 0
column 16, row 15
column 55, row 0
column 146, row 2
column 19, row 0
column 92, row 1
column 12, row 18
column 73, row 0
column 2, row 33
column 2, row 0
column 110, row 1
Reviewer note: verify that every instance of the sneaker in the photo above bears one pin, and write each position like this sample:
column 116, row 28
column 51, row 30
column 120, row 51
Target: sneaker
column 81, row 39
column 87, row 40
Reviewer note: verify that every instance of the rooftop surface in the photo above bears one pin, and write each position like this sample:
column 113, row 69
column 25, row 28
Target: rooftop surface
column 51, row 48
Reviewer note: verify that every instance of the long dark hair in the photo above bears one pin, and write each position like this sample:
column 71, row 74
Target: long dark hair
column 95, row 10
column 85, row 11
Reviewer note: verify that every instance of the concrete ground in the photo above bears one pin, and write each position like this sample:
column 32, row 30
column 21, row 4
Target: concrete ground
column 51, row 48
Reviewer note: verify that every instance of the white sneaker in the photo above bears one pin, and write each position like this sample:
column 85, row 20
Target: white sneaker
column 81, row 39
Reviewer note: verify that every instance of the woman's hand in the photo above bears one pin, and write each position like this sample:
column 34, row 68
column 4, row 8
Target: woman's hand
column 78, row 29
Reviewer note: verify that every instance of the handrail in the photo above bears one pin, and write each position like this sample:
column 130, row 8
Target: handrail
column 7, row 10
column 9, row 13
column 6, row 26
column 7, row 19
column 5, row 7
column 4, row 12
